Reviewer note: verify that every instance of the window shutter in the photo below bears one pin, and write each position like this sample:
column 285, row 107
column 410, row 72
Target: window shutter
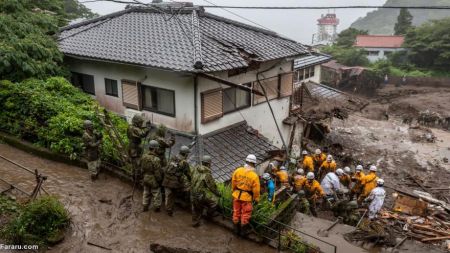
column 271, row 87
column 211, row 105
column 286, row 81
column 131, row 94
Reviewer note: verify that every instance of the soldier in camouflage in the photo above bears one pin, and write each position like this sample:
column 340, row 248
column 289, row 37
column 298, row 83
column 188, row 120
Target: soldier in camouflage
column 204, row 192
column 92, row 140
column 163, row 144
column 152, row 178
column 173, row 183
column 184, row 165
column 136, row 132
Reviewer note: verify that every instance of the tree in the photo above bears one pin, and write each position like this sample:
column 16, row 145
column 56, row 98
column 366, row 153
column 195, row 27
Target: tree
column 429, row 45
column 347, row 37
column 404, row 22
column 75, row 10
column 348, row 56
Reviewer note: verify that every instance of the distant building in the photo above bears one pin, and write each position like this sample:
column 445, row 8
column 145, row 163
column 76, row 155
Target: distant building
column 379, row 46
column 327, row 29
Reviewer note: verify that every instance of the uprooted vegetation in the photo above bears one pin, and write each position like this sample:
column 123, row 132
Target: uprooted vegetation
column 40, row 222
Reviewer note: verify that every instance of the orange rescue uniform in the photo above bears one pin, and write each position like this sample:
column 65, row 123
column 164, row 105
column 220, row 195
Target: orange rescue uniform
column 319, row 159
column 283, row 177
column 368, row 182
column 357, row 188
column 299, row 180
column 313, row 190
column 246, row 188
column 328, row 167
column 345, row 180
column 308, row 164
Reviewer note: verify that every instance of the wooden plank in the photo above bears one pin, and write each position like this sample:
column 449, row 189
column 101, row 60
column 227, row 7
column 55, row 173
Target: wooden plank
column 431, row 229
column 436, row 238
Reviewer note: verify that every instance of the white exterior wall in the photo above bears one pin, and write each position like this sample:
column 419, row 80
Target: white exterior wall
column 381, row 53
column 182, row 84
column 315, row 78
column 258, row 116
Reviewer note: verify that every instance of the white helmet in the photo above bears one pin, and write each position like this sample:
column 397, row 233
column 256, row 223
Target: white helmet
column 300, row 172
column 304, row 152
column 310, row 176
column 347, row 170
column 318, row 152
column 251, row 159
column 329, row 158
column 380, row 182
column 282, row 168
column 359, row 168
column 266, row 176
column 373, row 168
column 339, row 172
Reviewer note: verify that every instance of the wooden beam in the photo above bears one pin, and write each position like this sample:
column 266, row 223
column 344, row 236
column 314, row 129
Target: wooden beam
column 226, row 82
column 436, row 238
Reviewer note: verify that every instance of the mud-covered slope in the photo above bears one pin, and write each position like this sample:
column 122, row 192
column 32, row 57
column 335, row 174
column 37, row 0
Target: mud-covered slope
column 382, row 21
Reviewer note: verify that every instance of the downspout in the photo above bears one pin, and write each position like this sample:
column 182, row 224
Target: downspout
column 195, row 104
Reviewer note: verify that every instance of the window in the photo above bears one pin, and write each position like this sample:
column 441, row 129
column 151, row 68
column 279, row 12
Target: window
column 270, row 86
column 211, row 105
column 301, row 74
column 111, row 87
column 296, row 73
column 374, row 53
column 158, row 100
column 84, row 82
column 306, row 73
column 131, row 94
column 311, row 71
column 235, row 99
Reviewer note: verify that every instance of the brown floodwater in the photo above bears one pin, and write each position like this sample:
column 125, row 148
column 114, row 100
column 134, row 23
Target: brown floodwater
column 103, row 214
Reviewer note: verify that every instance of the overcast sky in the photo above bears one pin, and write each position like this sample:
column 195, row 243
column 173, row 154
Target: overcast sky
column 295, row 24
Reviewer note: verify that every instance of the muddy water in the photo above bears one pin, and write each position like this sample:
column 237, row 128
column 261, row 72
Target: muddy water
column 102, row 214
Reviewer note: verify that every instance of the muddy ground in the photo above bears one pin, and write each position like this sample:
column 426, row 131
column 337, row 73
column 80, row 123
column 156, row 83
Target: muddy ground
column 102, row 214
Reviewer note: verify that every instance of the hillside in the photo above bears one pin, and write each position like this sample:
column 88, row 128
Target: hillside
column 382, row 21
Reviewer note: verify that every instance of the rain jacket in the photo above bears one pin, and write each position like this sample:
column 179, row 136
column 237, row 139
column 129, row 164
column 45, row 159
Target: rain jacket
column 376, row 197
column 330, row 183
column 345, row 180
column 313, row 190
column 357, row 179
column 368, row 182
column 299, row 180
column 283, row 177
column 319, row 159
column 308, row 164
column 245, row 184
column 328, row 167
column 270, row 190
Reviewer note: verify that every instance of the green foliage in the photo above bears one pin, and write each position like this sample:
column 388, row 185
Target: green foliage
column 347, row 37
column 291, row 242
column 7, row 205
column 429, row 45
column 37, row 222
column 383, row 67
column 50, row 114
column 404, row 22
column 226, row 199
column 348, row 56
column 75, row 10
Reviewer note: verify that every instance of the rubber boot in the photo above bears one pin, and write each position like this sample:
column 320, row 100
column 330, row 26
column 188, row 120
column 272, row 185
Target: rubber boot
column 157, row 209
column 245, row 230
column 145, row 209
column 237, row 229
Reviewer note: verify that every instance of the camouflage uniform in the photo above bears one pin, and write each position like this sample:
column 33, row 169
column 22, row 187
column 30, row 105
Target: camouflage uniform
column 174, row 184
column 152, row 179
column 163, row 144
column 303, row 205
column 136, row 133
column 92, row 141
column 204, row 193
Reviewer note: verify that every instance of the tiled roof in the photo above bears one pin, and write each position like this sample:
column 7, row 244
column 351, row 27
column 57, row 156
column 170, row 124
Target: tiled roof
column 229, row 147
column 154, row 37
column 310, row 60
column 333, row 64
column 382, row 41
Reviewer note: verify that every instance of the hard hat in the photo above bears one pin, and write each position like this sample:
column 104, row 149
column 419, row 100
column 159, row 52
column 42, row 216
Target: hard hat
column 87, row 123
column 282, row 168
column 347, row 170
column 206, row 159
column 339, row 172
column 153, row 144
column 373, row 168
column 301, row 193
column 352, row 204
column 137, row 120
column 161, row 131
column 300, row 172
column 304, row 152
column 266, row 176
column 359, row 168
column 329, row 158
column 184, row 150
column 310, row 176
column 318, row 152
column 251, row 159
column 380, row 182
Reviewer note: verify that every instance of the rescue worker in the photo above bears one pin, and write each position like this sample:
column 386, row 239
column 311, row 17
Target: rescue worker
column 351, row 215
column 330, row 183
column 299, row 180
column 270, row 186
column 283, row 177
column 204, row 192
column 292, row 166
column 345, row 178
column 376, row 198
column 136, row 133
column 308, row 162
column 163, row 143
column 313, row 192
column 303, row 205
column 273, row 167
column 152, row 178
column 318, row 159
column 184, row 166
column 246, row 189
column 356, row 179
column 327, row 166
column 92, row 141
column 368, row 183
column 174, row 184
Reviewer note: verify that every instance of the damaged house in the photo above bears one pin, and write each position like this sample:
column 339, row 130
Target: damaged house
column 195, row 72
